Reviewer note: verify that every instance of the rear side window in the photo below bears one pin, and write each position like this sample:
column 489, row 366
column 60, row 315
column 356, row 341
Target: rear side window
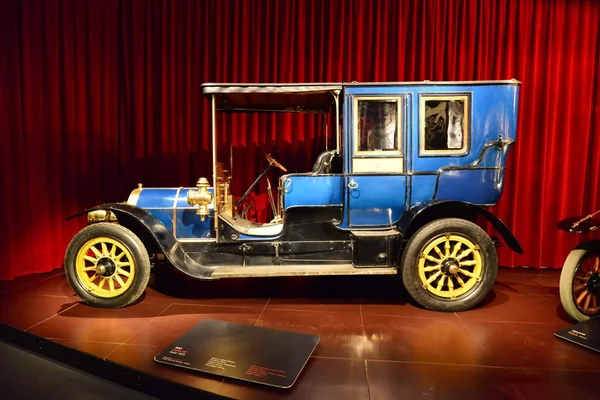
column 377, row 126
column 444, row 125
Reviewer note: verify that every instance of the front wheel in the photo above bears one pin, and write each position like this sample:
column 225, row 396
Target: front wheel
column 107, row 265
column 580, row 284
column 449, row 265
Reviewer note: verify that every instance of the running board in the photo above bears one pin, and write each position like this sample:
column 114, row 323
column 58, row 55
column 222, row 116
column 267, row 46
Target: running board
column 297, row 270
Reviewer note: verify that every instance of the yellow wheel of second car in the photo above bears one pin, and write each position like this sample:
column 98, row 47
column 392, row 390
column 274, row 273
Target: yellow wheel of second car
column 105, row 267
column 450, row 266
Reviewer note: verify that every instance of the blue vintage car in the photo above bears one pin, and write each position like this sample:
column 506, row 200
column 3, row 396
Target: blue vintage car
column 412, row 168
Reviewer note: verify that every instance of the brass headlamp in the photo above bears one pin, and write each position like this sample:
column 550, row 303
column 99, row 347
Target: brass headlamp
column 202, row 197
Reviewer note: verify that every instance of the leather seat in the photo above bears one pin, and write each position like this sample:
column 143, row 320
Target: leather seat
column 328, row 162
column 246, row 227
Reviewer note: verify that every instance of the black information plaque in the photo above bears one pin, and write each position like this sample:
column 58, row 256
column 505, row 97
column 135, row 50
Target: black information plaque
column 586, row 334
column 250, row 353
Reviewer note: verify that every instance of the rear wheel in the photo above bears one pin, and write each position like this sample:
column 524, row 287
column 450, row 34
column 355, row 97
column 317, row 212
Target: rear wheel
column 107, row 265
column 449, row 265
column 579, row 284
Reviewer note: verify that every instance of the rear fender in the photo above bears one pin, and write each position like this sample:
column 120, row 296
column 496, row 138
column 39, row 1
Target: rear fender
column 155, row 236
column 426, row 212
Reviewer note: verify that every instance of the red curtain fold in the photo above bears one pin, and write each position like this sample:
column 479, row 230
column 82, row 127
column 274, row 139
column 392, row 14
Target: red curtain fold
column 96, row 96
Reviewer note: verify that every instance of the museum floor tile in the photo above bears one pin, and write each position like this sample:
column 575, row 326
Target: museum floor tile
column 374, row 343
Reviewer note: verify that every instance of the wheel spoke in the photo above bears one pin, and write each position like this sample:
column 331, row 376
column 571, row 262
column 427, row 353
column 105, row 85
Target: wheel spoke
column 588, row 298
column 432, row 268
column 90, row 259
column 123, row 264
column 433, row 277
column 437, row 250
column 456, row 249
column 578, row 287
column 464, row 254
column 104, row 249
column 467, row 273
column 468, row 263
column 441, row 282
column 93, row 278
column 451, row 286
column 111, row 284
column 89, row 268
column 596, row 264
column 447, row 246
column 96, row 251
column 120, row 280
column 460, row 280
column 435, row 260
column 121, row 271
column 118, row 258
column 101, row 284
column 582, row 296
column 113, row 250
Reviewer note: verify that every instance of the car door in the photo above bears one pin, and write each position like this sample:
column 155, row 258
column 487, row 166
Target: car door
column 376, row 178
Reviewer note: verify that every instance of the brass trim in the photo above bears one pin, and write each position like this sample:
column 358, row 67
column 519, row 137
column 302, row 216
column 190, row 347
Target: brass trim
column 201, row 197
column 96, row 216
column 399, row 125
column 174, row 218
column 298, row 270
column 195, row 240
column 338, row 137
column 423, row 97
column 134, row 196
column 214, row 155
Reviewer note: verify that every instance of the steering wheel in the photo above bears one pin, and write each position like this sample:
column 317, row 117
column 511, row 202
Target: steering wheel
column 275, row 163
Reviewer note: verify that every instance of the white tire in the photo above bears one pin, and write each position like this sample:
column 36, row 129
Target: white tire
column 567, row 276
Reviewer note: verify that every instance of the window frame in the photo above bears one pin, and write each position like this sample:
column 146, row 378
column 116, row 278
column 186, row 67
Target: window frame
column 399, row 124
column 466, row 140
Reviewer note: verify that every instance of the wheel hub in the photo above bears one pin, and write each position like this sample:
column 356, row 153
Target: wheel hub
column 593, row 283
column 450, row 267
column 105, row 267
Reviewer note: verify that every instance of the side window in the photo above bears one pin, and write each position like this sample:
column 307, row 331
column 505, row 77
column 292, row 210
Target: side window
column 444, row 125
column 377, row 126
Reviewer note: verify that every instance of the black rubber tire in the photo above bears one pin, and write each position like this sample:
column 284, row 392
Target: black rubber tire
column 416, row 244
column 127, row 239
column 567, row 275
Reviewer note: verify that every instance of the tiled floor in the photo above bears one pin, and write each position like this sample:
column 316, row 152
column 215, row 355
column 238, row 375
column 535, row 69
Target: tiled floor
column 374, row 344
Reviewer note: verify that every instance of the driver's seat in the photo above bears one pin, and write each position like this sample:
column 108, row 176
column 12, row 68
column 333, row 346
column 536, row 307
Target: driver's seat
column 328, row 162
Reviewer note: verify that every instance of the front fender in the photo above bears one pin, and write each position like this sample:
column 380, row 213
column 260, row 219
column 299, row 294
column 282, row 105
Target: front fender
column 148, row 227
column 429, row 211
column 590, row 245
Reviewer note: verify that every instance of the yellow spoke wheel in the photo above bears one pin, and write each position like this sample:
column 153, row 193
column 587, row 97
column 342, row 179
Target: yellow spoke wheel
column 450, row 266
column 105, row 267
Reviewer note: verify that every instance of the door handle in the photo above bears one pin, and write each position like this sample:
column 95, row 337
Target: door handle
column 287, row 185
column 352, row 184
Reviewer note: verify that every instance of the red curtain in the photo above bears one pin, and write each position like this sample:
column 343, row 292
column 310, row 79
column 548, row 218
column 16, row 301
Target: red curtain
column 96, row 96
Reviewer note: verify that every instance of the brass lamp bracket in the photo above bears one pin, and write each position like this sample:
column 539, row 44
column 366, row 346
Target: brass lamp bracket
column 202, row 197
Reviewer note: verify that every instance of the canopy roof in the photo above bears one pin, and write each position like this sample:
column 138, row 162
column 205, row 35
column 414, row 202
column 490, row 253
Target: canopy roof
column 280, row 96
column 302, row 96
